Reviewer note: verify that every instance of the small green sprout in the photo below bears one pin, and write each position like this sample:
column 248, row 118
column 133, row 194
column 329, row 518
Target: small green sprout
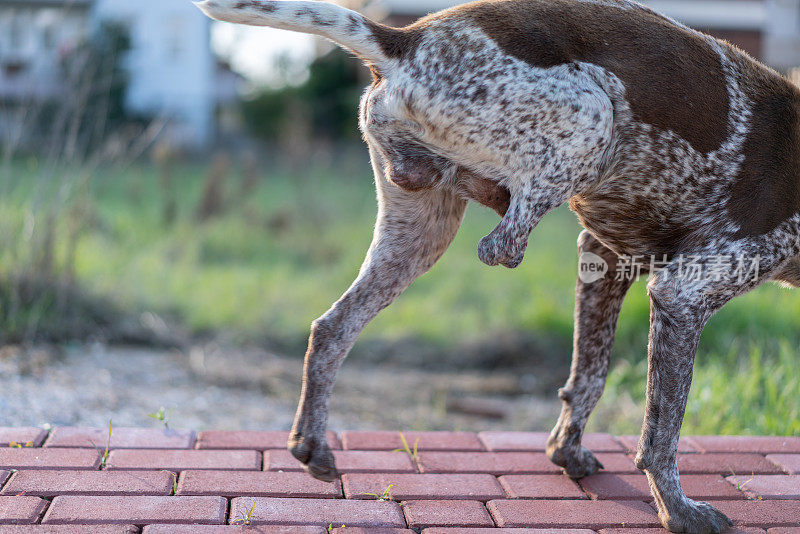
column 174, row 481
column 405, row 448
column 104, row 454
column 385, row 496
column 246, row 515
column 739, row 486
column 161, row 415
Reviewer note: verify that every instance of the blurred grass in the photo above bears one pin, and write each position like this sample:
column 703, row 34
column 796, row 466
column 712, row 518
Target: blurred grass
column 278, row 255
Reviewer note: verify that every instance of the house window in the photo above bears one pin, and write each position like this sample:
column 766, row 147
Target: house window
column 12, row 69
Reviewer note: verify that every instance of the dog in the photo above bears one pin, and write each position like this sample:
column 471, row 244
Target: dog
column 666, row 142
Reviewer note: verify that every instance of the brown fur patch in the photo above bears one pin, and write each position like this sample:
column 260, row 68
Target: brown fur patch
column 674, row 79
column 397, row 43
column 767, row 190
column 653, row 236
column 484, row 191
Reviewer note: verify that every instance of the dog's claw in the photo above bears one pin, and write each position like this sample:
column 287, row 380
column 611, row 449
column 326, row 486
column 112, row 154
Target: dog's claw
column 695, row 518
column 315, row 455
column 514, row 263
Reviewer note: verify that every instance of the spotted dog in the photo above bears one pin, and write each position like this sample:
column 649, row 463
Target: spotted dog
column 666, row 142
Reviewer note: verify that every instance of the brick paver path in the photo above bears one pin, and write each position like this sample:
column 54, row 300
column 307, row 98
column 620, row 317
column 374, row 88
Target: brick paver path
column 164, row 481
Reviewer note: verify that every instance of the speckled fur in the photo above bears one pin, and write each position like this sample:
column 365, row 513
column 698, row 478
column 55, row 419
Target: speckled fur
column 461, row 109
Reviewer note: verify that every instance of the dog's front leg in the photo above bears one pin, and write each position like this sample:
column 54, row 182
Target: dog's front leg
column 597, row 307
column 412, row 232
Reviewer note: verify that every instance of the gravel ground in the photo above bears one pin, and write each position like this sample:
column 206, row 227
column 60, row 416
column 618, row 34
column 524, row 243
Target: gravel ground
column 210, row 387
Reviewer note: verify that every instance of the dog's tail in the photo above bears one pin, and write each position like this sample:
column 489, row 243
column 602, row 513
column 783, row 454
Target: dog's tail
column 346, row 28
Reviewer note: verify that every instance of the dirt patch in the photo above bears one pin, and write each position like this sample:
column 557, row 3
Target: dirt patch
column 213, row 387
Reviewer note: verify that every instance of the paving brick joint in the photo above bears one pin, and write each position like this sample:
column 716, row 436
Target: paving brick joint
column 157, row 481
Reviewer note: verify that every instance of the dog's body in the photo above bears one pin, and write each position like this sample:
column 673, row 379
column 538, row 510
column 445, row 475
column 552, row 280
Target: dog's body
column 666, row 142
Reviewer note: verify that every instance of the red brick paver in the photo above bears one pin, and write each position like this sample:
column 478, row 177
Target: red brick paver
column 790, row 463
column 540, row 487
column 630, row 443
column 537, row 441
column 53, row 483
column 346, row 462
column 405, row 487
column 251, row 439
column 371, row 530
column 136, row 510
column 256, row 484
column 121, row 438
column 21, row 509
column 460, row 482
column 586, row 514
column 769, row 486
column 448, row 530
column 22, row 435
column 319, row 512
column 69, row 529
column 617, row 463
column 12, row 458
column 421, row 514
column 231, row 529
column 761, row 513
column 428, row 441
column 734, row 530
column 495, row 463
column 178, row 460
column 740, row 464
column 758, row 444
column 607, row 486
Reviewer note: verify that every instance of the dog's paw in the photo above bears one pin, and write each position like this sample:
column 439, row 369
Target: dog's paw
column 497, row 250
column 315, row 455
column 694, row 517
column 577, row 462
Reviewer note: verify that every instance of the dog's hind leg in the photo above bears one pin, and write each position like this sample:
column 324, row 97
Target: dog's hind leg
column 506, row 244
column 412, row 232
column 597, row 307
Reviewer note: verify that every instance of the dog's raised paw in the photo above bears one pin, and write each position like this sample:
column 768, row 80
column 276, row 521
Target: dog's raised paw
column 496, row 250
column 695, row 518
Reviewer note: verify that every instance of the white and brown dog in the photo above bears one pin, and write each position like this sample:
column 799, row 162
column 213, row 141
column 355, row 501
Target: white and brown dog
column 666, row 142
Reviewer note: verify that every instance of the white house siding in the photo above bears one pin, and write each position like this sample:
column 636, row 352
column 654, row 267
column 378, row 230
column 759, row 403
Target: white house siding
column 34, row 35
column 782, row 44
column 172, row 68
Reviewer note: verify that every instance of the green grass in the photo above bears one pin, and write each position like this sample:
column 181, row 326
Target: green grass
column 277, row 258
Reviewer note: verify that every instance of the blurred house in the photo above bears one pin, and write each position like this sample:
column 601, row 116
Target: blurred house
column 767, row 29
column 172, row 71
